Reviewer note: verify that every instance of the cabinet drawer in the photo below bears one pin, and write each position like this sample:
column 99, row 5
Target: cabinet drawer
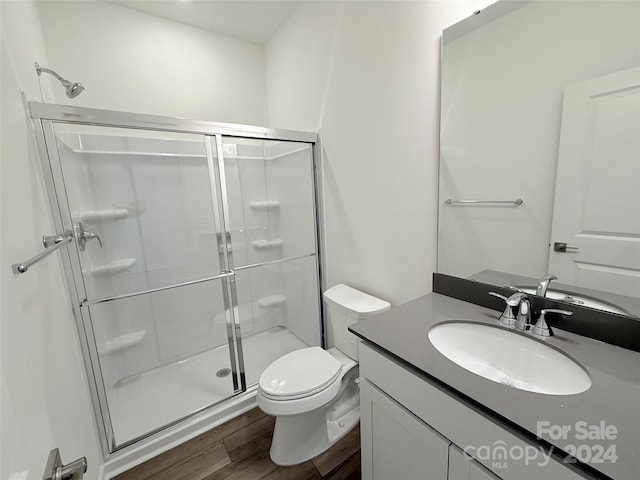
column 494, row 447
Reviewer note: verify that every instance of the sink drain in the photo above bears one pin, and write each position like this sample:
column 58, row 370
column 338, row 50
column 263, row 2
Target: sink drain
column 223, row 372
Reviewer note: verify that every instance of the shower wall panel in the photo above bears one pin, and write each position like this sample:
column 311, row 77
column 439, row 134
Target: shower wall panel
column 149, row 201
column 271, row 209
column 289, row 176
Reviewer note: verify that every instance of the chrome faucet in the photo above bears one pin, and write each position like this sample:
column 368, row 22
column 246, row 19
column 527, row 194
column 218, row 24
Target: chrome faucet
column 83, row 236
column 543, row 285
column 523, row 320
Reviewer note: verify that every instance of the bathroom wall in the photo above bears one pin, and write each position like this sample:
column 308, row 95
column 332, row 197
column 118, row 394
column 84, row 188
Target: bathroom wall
column 135, row 62
column 44, row 398
column 496, row 155
column 366, row 74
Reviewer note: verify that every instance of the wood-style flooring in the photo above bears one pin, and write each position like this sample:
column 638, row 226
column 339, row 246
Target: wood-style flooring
column 239, row 450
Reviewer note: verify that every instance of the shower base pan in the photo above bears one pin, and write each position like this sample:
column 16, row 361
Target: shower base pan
column 146, row 402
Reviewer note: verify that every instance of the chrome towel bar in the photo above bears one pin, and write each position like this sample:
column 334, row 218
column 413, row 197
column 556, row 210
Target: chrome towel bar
column 51, row 243
column 517, row 201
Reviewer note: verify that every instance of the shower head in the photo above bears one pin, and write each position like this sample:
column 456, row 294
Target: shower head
column 71, row 89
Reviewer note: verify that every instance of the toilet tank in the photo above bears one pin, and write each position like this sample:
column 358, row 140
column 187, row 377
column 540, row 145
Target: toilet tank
column 346, row 305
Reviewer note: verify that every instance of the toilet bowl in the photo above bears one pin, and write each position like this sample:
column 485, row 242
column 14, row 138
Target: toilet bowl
column 313, row 393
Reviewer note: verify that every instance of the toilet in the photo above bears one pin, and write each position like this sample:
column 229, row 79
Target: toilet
column 313, row 393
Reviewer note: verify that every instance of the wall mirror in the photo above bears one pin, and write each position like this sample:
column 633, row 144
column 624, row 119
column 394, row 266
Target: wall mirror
column 540, row 150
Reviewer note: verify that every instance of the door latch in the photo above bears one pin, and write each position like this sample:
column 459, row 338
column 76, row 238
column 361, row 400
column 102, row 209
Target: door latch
column 55, row 470
column 563, row 247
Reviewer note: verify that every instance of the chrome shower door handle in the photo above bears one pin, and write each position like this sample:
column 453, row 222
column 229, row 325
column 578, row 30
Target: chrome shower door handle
column 83, row 236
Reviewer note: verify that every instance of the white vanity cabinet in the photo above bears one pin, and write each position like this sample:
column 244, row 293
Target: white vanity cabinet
column 413, row 430
column 398, row 444
column 463, row 468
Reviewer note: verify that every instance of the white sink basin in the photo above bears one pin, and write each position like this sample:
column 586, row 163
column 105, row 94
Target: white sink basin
column 509, row 358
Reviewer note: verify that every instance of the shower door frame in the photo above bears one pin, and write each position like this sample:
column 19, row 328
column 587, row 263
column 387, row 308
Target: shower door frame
column 44, row 115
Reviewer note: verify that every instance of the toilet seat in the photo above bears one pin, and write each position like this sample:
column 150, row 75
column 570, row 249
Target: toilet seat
column 300, row 374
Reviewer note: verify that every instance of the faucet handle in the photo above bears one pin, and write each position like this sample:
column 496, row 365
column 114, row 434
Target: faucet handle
column 83, row 236
column 513, row 300
column 506, row 318
column 541, row 328
column 498, row 295
column 515, row 289
column 516, row 299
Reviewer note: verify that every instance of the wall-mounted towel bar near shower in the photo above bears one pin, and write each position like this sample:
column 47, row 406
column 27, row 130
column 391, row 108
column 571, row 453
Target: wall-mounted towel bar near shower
column 517, row 201
column 51, row 243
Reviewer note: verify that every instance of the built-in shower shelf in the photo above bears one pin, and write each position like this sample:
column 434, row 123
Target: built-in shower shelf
column 114, row 266
column 104, row 214
column 266, row 244
column 140, row 154
column 264, row 205
column 271, row 301
column 124, row 341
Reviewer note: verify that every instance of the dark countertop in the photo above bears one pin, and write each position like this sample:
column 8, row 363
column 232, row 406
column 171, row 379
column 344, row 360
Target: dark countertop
column 614, row 396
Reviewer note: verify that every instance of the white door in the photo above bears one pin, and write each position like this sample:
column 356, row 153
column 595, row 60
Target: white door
column 597, row 199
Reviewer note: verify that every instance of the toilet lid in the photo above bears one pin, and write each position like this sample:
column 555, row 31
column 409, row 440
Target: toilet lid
column 299, row 373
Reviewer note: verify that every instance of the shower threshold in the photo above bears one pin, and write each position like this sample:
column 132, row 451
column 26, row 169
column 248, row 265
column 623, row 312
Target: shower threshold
column 146, row 402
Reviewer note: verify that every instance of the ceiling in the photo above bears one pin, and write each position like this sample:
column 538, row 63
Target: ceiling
column 250, row 20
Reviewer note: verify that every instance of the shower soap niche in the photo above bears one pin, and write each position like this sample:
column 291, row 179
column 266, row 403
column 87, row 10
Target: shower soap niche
column 124, row 341
column 264, row 205
column 114, row 266
column 266, row 244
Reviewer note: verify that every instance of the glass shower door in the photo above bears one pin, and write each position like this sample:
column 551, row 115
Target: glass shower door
column 150, row 270
column 271, row 221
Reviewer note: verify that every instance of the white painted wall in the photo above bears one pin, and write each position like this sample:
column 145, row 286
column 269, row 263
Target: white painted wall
column 44, row 398
column 367, row 75
column 135, row 62
column 503, row 97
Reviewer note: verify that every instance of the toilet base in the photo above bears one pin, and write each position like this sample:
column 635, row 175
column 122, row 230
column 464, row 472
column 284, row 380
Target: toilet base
column 298, row 438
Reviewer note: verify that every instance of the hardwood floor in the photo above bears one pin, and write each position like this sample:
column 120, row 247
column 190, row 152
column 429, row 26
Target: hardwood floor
column 239, row 450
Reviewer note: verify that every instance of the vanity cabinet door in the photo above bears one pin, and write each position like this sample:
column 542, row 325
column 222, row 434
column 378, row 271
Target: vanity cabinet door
column 395, row 443
column 463, row 468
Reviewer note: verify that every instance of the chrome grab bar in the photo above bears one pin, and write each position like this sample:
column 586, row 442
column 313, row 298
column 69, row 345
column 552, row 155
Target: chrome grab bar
column 517, row 201
column 51, row 243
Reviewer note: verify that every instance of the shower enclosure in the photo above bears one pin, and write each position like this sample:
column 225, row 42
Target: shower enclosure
column 194, row 260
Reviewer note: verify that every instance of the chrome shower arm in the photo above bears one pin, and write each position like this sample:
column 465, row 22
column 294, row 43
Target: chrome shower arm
column 72, row 89
column 40, row 69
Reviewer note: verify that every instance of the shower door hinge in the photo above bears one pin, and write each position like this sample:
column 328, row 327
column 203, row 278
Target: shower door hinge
column 55, row 470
